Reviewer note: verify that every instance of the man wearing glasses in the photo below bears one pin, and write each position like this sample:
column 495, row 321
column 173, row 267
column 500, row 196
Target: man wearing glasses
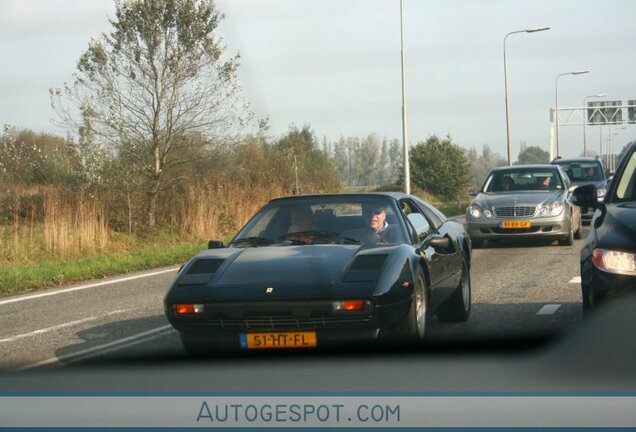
column 380, row 229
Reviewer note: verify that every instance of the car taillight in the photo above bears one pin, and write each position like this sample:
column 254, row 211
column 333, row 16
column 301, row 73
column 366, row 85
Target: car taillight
column 612, row 261
column 185, row 309
column 348, row 305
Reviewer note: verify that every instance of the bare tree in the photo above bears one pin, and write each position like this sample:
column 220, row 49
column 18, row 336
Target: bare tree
column 159, row 78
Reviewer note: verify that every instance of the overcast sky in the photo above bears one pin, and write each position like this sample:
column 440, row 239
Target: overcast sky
column 335, row 64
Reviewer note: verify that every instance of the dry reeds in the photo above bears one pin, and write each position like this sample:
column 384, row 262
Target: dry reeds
column 217, row 208
column 73, row 223
column 46, row 220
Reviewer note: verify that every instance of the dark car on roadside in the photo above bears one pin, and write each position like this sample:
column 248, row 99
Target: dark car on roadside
column 586, row 170
column 608, row 257
column 312, row 271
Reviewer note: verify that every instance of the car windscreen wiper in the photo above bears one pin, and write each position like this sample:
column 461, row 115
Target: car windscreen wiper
column 253, row 241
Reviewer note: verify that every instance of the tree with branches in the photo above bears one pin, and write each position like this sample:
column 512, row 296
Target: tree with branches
column 440, row 167
column 153, row 88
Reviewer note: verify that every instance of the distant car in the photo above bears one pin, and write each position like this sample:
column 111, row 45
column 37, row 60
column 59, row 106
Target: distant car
column 586, row 170
column 310, row 271
column 524, row 201
column 608, row 257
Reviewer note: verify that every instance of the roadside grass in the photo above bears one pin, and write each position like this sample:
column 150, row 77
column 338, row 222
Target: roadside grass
column 125, row 254
column 454, row 210
column 21, row 277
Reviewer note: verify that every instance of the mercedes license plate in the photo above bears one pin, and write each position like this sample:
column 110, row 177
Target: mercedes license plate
column 516, row 224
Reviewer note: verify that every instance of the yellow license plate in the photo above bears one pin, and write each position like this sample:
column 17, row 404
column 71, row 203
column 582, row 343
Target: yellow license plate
column 516, row 224
column 279, row 340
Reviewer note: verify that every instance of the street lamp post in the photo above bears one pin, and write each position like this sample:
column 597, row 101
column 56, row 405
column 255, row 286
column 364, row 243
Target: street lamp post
column 613, row 153
column 405, row 144
column 598, row 95
column 556, row 105
column 505, row 53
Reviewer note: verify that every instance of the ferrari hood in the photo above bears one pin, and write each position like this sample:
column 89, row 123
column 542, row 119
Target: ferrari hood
column 299, row 265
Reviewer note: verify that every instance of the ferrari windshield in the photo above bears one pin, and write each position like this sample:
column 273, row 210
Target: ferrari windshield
column 523, row 180
column 320, row 220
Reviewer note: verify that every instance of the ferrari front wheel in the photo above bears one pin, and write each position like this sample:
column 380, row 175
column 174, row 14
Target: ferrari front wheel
column 417, row 318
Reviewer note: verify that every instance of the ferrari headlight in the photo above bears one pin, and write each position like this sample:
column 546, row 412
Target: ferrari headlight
column 615, row 261
column 600, row 194
column 475, row 211
column 556, row 208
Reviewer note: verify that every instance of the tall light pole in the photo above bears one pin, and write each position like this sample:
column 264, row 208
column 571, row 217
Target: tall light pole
column 598, row 95
column 505, row 52
column 405, row 142
column 613, row 154
column 556, row 105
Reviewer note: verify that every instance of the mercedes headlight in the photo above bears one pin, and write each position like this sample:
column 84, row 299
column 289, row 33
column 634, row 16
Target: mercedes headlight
column 543, row 211
column 615, row 261
column 487, row 213
column 475, row 211
column 556, row 208
column 553, row 209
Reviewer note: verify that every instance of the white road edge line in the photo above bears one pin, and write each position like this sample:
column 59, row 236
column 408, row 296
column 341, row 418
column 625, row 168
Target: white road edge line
column 60, row 326
column 548, row 309
column 576, row 279
column 100, row 349
column 82, row 287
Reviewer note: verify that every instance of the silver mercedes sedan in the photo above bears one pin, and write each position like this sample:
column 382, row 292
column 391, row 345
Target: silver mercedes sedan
column 524, row 201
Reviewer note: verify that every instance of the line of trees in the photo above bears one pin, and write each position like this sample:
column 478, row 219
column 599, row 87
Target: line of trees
column 366, row 161
column 160, row 136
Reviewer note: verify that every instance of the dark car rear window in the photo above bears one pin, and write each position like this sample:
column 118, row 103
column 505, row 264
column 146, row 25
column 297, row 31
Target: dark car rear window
column 583, row 170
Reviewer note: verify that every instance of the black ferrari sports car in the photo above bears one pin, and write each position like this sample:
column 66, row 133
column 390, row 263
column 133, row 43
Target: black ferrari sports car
column 320, row 270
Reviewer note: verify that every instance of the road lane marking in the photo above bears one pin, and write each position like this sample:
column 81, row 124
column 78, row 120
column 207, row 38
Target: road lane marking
column 548, row 309
column 82, row 287
column 576, row 279
column 60, row 326
column 102, row 349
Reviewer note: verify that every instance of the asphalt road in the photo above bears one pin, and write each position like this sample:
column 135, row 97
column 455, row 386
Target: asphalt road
column 526, row 315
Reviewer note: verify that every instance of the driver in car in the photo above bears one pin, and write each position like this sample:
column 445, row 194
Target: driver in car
column 375, row 218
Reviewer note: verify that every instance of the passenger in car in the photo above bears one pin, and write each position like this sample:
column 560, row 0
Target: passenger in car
column 506, row 183
column 589, row 174
column 301, row 219
column 543, row 182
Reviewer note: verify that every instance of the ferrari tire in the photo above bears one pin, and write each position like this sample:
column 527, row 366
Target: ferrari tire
column 457, row 307
column 416, row 323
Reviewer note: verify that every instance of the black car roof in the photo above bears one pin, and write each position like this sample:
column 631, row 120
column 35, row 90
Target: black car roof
column 534, row 166
column 576, row 159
